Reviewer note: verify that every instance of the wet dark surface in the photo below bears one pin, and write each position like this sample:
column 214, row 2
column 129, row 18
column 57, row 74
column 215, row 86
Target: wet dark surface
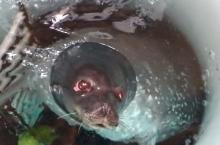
column 69, row 135
column 41, row 25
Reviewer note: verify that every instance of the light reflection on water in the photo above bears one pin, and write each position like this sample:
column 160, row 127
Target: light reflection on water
column 120, row 40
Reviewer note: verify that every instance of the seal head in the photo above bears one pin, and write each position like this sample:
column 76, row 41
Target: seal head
column 93, row 82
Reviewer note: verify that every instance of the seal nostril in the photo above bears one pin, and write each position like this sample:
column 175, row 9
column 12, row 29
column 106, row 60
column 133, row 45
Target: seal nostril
column 100, row 125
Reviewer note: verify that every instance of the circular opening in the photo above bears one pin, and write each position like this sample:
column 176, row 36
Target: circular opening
column 94, row 59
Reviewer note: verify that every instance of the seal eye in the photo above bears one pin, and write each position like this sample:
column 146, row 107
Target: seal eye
column 118, row 93
column 82, row 86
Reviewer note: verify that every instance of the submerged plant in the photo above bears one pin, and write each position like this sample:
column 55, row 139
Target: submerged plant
column 42, row 135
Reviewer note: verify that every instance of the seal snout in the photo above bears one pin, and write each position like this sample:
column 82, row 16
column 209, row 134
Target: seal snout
column 103, row 116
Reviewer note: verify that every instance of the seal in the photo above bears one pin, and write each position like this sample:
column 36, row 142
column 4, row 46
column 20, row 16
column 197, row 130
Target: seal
column 127, row 94
column 94, row 81
column 104, row 93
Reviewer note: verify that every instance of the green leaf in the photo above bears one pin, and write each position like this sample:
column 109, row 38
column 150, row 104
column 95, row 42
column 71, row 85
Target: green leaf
column 37, row 136
column 27, row 139
column 44, row 134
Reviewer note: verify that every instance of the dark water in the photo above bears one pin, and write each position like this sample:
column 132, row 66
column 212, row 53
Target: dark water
column 42, row 35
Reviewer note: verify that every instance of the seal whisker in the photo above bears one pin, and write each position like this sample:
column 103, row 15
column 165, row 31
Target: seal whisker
column 123, row 124
column 62, row 117
column 80, row 127
column 123, row 117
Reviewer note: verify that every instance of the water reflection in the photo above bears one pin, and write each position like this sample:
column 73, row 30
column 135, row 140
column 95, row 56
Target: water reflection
column 97, row 26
